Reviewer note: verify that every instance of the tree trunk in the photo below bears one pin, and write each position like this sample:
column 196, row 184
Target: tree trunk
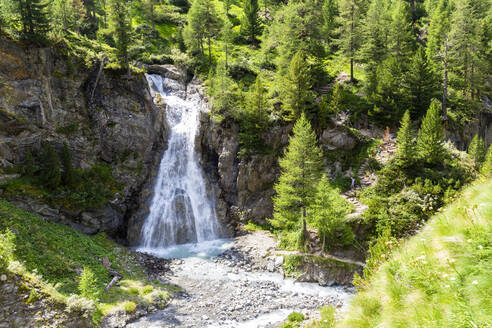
column 351, row 69
column 352, row 45
column 323, row 245
column 226, row 56
column 209, row 52
column 445, row 84
column 304, row 226
column 152, row 16
column 414, row 16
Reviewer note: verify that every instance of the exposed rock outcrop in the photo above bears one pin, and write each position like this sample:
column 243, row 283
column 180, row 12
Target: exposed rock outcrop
column 45, row 96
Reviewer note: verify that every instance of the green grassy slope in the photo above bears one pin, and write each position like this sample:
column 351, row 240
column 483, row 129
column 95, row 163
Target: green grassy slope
column 54, row 256
column 439, row 278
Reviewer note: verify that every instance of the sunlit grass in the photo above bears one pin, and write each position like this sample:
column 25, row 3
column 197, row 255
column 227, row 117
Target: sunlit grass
column 439, row 278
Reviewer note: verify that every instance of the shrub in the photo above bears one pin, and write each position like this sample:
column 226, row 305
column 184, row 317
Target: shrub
column 83, row 305
column 476, row 150
column 487, row 166
column 7, row 248
column 296, row 317
column 33, row 296
column 50, row 172
column 129, row 306
column 147, row 290
column 88, row 285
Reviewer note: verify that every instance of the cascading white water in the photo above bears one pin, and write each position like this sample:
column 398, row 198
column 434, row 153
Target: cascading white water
column 181, row 211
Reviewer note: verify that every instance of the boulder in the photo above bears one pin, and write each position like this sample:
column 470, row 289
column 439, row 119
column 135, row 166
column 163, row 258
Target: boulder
column 337, row 138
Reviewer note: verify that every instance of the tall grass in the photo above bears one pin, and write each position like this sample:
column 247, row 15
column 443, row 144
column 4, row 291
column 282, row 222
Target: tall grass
column 439, row 278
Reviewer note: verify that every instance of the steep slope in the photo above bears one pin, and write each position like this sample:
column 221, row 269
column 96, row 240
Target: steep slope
column 48, row 261
column 440, row 277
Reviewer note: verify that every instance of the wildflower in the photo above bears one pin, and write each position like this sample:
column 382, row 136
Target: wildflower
column 422, row 239
column 475, row 282
column 480, row 247
column 447, row 286
column 469, row 240
column 452, row 278
column 452, row 260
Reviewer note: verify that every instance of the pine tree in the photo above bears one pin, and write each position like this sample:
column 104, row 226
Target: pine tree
column 29, row 167
column 330, row 24
column 401, row 41
column 254, row 119
column 420, row 84
column 328, row 211
column 67, row 15
column 121, row 21
column 34, row 19
column 68, row 176
column 297, row 85
column 301, row 170
column 227, row 35
column 89, row 285
column 438, row 29
column 250, row 22
column 465, row 53
column 349, row 31
column 487, row 165
column 222, row 88
column 404, row 140
column 431, row 135
column 476, row 150
column 148, row 5
column 50, row 172
column 374, row 47
column 203, row 23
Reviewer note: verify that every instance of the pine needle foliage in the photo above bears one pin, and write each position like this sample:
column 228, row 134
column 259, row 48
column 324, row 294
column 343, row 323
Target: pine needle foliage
column 301, row 170
column 404, row 140
column 430, row 140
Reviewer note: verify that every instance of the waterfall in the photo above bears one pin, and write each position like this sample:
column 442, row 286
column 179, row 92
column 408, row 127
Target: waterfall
column 181, row 211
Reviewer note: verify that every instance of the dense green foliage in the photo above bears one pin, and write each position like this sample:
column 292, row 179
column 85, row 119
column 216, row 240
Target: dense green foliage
column 411, row 188
column 440, row 277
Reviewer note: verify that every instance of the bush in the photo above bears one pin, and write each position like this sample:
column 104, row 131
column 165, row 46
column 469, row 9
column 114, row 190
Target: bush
column 147, row 290
column 129, row 307
column 296, row 317
column 7, row 248
column 88, row 285
column 83, row 305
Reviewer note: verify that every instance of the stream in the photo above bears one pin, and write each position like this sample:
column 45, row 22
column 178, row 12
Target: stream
column 216, row 293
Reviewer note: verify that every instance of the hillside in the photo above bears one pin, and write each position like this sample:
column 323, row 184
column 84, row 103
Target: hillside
column 438, row 278
column 50, row 259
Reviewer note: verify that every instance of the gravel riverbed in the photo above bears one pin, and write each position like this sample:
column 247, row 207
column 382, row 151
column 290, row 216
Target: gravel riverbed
column 237, row 288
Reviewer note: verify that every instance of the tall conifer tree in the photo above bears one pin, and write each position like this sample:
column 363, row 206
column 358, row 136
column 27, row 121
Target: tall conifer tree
column 301, row 170
column 297, row 84
column 420, row 84
column 349, row 31
column 250, row 22
column 34, row 19
column 431, row 135
column 121, row 21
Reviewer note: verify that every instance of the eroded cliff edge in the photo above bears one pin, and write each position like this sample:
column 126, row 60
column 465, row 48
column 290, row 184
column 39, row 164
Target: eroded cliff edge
column 46, row 96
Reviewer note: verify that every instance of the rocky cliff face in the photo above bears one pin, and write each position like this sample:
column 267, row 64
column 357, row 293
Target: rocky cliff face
column 46, row 96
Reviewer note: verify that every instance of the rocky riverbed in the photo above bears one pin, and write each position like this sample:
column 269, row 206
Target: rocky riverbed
column 226, row 286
